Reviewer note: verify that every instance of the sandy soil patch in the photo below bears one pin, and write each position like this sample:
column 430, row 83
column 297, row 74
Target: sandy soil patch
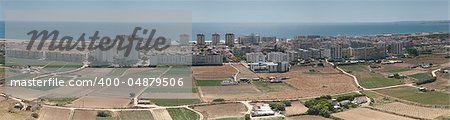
column 84, row 115
column 100, row 102
column 296, row 108
column 47, row 113
column 222, row 110
column 415, row 111
column 367, row 114
column 213, row 72
column 161, row 114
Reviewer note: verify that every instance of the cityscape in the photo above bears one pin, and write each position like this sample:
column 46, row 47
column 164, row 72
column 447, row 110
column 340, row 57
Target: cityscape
column 193, row 72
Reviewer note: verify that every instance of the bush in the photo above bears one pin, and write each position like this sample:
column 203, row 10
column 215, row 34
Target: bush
column 348, row 97
column 287, row 103
column 103, row 114
column 278, row 106
column 319, row 106
column 219, row 100
column 34, row 115
column 247, row 117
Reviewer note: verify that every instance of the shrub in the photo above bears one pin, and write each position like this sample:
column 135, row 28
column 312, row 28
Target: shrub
column 34, row 115
column 103, row 114
column 219, row 100
column 287, row 103
column 278, row 106
column 247, row 117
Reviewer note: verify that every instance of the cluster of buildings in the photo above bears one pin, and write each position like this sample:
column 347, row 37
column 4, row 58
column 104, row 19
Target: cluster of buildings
column 272, row 62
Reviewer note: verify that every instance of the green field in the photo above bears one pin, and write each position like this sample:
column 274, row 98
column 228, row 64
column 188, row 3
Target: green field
column 369, row 79
column 59, row 101
column 135, row 115
column 182, row 114
column 354, row 68
column 209, row 82
column 174, row 102
column 396, row 70
column 412, row 94
column 272, row 87
column 422, row 76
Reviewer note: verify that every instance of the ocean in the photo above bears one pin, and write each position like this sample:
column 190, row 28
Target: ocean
column 280, row 30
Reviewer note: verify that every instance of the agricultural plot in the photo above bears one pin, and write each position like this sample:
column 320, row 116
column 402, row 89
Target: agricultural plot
column 84, row 115
column 183, row 114
column 161, row 114
column 213, row 72
column 415, row 111
column 47, row 113
column 209, row 82
column 369, row 79
column 47, row 87
column 235, row 92
column 100, row 102
column 116, row 72
column 174, row 102
column 273, row 87
column 231, row 110
column 296, row 108
column 135, row 115
column 414, row 95
column 422, row 77
column 367, row 114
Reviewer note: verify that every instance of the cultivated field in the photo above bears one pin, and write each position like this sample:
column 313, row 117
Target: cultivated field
column 84, row 115
column 222, row 110
column 414, row 95
column 213, row 72
column 237, row 92
column 100, row 102
column 161, row 114
column 369, row 79
column 135, row 115
column 296, row 108
column 367, row 114
column 47, row 113
column 415, row 111
column 183, row 114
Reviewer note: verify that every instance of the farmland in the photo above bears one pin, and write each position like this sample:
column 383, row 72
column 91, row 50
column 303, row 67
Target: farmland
column 47, row 113
column 307, row 117
column 414, row 95
column 222, row 110
column 183, row 114
column 84, row 115
column 369, row 79
column 415, row 111
column 273, row 87
column 174, row 102
column 367, row 114
column 135, row 115
column 209, row 82
column 213, row 72
column 296, row 108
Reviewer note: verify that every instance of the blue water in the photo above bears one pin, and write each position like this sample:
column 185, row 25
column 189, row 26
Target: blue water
column 280, row 30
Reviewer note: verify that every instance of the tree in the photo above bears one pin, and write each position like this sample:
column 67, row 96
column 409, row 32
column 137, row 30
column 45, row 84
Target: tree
column 103, row 114
column 34, row 115
column 412, row 51
column 132, row 95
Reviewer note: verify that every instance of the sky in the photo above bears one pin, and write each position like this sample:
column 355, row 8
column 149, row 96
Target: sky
column 287, row 11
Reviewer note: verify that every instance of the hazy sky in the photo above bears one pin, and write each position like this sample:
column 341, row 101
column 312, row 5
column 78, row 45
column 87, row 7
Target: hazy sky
column 230, row 10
